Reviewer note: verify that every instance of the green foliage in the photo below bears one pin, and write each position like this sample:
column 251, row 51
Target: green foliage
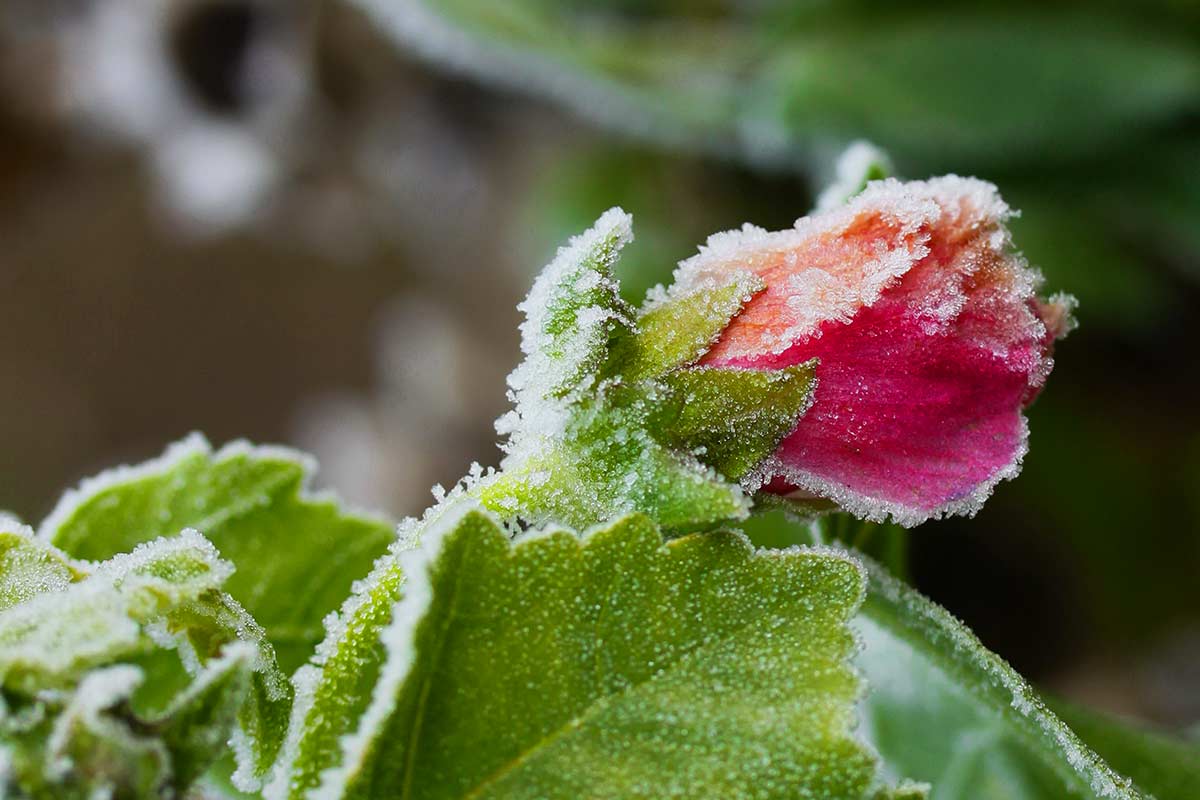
column 944, row 709
column 572, row 310
column 614, row 667
column 73, row 654
column 639, row 429
column 932, row 83
column 252, row 505
column 1161, row 764
column 608, row 463
column 29, row 568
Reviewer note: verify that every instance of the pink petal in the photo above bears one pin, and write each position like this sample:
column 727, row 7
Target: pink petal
column 930, row 337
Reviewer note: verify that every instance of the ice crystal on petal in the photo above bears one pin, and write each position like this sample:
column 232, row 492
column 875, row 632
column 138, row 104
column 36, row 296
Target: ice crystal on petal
column 929, row 335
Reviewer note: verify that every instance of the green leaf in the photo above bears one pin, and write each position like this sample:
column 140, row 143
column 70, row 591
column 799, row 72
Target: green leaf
column 213, row 624
column 72, row 658
column 88, row 749
column 572, row 310
column 737, row 416
column 93, row 746
column 609, row 667
column 607, row 464
column 295, row 554
column 943, row 709
column 199, row 722
column 165, row 594
column 674, row 330
column 1167, row 766
column 52, row 639
column 936, row 85
column 334, row 691
column 975, row 729
column 29, row 567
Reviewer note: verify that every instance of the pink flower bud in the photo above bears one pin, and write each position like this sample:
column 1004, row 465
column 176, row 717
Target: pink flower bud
column 930, row 337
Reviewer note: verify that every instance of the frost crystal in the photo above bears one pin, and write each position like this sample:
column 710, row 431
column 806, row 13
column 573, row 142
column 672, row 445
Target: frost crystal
column 929, row 336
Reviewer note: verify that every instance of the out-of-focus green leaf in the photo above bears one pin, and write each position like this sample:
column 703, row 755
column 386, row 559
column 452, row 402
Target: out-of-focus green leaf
column 1164, row 765
column 932, row 83
column 29, row 567
column 941, row 708
column 295, row 554
column 619, row 667
column 197, row 726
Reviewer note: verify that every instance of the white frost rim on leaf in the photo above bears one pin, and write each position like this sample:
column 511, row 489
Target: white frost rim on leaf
column 937, row 636
column 399, row 641
column 877, row 509
column 194, row 444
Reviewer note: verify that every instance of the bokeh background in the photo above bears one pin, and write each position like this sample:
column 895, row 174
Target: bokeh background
column 309, row 222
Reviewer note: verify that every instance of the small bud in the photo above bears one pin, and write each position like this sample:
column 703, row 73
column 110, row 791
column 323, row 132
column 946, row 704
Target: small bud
column 929, row 335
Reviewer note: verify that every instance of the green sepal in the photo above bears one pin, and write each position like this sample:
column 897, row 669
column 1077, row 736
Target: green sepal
column 676, row 329
column 733, row 418
column 608, row 463
column 572, row 311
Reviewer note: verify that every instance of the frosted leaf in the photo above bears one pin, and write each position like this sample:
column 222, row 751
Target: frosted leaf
column 89, row 743
column 253, row 504
column 51, row 639
column 859, row 164
column 199, row 722
column 334, row 690
column 616, row 667
column 90, row 750
column 943, row 708
column 29, row 567
column 165, row 594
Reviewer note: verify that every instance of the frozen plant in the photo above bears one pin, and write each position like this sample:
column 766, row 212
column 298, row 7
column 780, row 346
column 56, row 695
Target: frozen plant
column 589, row 620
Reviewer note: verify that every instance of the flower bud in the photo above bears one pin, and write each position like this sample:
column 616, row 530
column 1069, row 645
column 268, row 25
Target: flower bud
column 930, row 337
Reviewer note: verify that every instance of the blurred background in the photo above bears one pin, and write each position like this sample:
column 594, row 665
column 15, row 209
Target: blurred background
column 309, row 221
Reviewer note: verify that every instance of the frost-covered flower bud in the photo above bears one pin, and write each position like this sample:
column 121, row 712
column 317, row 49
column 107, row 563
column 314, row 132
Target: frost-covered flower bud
column 930, row 337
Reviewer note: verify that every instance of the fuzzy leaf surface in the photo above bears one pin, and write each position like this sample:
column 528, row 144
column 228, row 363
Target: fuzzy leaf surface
column 295, row 554
column 611, row 667
column 975, row 730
